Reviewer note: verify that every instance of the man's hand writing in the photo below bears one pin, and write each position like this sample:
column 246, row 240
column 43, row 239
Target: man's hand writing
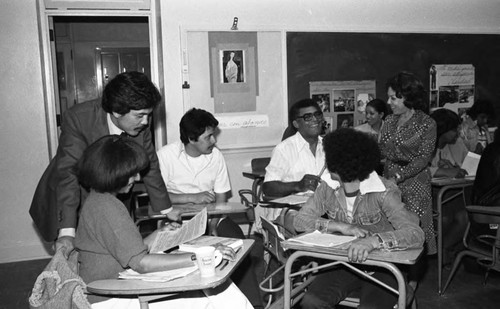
column 309, row 182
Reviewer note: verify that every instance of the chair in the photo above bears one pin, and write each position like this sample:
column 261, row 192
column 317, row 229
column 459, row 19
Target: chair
column 272, row 245
column 248, row 199
column 485, row 248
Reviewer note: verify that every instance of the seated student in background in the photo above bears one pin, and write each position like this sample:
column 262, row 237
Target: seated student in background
column 109, row 242
column 194, row 171
column 486, row 188
column 474, row 128
column 375, row 111
column 449, row 154
column 296, row 161
column 450, row 149
column 356, row 201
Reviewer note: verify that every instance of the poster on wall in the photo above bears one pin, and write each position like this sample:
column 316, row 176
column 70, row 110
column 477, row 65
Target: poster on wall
column 451, row 86
column 343, row 102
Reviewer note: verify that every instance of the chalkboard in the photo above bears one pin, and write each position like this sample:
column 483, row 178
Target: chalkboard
column 327, row 56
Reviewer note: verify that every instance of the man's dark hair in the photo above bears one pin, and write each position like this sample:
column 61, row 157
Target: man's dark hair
column 129, row 90
column 194, row 123
column 294, row 110
column 446, row 120
column 351, row 154
column 107, row 164
column 408, row 86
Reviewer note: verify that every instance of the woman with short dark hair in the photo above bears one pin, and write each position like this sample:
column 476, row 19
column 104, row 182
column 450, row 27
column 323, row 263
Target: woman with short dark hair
column 108, row 240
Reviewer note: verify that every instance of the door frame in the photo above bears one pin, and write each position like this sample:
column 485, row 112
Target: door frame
column 49, row 71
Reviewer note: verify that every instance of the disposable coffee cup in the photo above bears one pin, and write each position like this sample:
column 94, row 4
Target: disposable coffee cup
column 207, row 258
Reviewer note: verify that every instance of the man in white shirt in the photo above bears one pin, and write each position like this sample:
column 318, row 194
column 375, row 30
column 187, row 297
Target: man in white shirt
column 194, row 171
column 296, row 162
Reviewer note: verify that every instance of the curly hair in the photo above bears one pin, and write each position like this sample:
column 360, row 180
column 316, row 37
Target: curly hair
column 351, row 154
column 130, row 90
column 408, row 86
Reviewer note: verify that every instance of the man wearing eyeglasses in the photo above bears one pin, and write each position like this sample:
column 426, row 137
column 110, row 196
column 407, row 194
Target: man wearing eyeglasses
column 296, row 162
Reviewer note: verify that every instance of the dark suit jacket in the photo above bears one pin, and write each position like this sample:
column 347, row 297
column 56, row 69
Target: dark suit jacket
column 58, row 195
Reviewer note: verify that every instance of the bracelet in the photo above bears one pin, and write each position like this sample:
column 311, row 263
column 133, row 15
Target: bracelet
column 193, row 257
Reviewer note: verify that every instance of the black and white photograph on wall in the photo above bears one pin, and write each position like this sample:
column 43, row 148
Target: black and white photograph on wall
column 343, row 100
column 327, row 125
column 361, row 101
column 345, row 121
column 448, row 94
column 466, row 94
column 233, row 66
column 434, row 98
column 323, row 100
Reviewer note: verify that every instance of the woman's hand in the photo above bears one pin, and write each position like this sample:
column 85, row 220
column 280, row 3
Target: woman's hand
column 227, row 252
column 359, row 248
column 170, row 226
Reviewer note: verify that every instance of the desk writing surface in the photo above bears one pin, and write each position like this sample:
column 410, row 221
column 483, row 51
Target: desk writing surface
column 187, row 210
column 408, row 256
column 446, row 181
column 255, row 174
column 191, row 282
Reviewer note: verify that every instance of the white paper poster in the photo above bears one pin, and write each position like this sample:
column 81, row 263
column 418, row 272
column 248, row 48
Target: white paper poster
column 451, row 86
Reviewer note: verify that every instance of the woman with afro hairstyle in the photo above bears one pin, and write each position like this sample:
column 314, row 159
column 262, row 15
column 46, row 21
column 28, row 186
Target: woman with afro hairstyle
column 357, row 202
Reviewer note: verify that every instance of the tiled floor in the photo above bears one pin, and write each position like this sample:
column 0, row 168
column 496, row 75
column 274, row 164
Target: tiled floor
column 466, row 290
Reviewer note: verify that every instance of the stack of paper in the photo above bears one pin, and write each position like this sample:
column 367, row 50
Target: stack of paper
column 317, row 238
column 159, row 276
column 471, row 163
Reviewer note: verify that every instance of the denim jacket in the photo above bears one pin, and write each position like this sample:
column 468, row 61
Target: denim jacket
column 377, row 208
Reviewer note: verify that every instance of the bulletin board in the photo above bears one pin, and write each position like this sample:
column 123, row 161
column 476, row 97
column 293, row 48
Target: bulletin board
column 327, row 56
column 239, row 77
column 343, row 102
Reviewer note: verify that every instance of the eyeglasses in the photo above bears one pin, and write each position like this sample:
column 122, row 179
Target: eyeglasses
column 309, row 116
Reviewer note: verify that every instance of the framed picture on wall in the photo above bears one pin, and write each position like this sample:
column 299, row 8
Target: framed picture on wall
column 232, row 66
column 343, row 100
column 345, row 121
column 323, row 100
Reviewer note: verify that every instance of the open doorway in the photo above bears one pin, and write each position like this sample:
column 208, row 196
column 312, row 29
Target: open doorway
column 83, row 49
column 90, row 51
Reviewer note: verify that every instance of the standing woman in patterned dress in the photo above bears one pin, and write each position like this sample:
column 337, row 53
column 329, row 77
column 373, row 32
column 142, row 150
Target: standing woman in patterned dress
column 407, row 142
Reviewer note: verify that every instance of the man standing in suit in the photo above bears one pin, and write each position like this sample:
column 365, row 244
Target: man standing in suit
column 126, row 106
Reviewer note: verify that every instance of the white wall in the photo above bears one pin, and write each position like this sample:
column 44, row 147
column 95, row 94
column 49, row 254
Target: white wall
column 24, row 152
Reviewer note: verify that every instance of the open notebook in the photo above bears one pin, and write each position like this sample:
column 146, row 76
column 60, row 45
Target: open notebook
column 317, row 238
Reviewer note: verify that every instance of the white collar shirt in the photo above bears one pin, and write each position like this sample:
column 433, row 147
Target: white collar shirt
column 113, row 129
column 184, row 174
column 292, row 159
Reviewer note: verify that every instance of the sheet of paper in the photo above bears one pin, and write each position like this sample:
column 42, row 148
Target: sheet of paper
column 159, row 276
column 189, row 230
column 317, row 238
column 293, row 199
column 471, row 163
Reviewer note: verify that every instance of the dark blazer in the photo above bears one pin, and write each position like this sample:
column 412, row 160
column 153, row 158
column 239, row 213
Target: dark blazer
column 58, row 195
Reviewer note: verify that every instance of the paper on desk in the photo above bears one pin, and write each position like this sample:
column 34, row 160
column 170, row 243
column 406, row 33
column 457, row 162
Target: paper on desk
column 293, row 199
column 471, row 163
column 317, row 238
column 189, row 230
column 159, row 276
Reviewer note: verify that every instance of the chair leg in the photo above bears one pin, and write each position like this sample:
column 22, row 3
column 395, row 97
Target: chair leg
column 486, row 275
column 456, row 263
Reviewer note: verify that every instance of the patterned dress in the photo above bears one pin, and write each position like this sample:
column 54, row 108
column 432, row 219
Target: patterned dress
column 408, row 151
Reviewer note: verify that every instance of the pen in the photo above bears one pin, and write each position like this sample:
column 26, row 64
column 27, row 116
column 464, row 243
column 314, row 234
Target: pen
column 224, row 264
column 322, row 170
